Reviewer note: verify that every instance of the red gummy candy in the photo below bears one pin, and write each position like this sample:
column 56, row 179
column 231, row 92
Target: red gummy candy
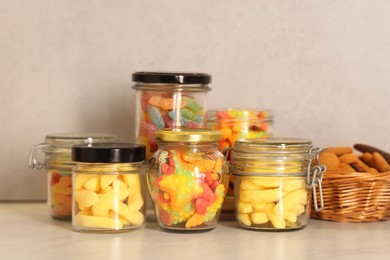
column 207, row 194
column 145, row 100
column 165, row 218
column 55, row 178
column 153, row 145
column 223, row 114
column 166, row 169
column 210, row 182
column 201, row 205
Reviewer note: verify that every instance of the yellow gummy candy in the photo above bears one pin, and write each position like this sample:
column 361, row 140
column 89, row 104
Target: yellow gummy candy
column 132, row 180
column 276, row 220
column 104, row 204
column 61, row 189
column 292, row 184
column 135, row 218
column 244, row 219
column 270, row 195
column 259, row 218
column 247, row 184
column 299, row 209
column 290, row 216
column 85, row 198
column 258, row 206
column 92, row 183
column 268, row 182
column 135, row 202
column 289, row 201
column 80, row 179
column 97, row 222
column 244, row 207
column 123, row 194
column 106, row 180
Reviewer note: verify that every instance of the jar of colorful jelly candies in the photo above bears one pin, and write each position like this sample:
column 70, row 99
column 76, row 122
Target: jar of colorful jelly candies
column 187, row 179
column 274, row 179
column 108, row 187
column 58, row 164
column 168, row 100
column 237, row 124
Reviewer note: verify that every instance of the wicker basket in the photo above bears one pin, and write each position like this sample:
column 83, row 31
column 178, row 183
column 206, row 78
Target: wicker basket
column 355, row 197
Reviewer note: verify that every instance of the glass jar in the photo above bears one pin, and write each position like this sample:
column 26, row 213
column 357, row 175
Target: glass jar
column 109, row 189
column 273, row 182
column 58, row 165
column 237, row 124
column 168, row 100
column 187, row 179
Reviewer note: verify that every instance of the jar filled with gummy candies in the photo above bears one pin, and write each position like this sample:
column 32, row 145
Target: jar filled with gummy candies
column 108, row 187
column 168, row 100
column 237, row 124
column 274, row 180
column 187, row 179
column 58, row 164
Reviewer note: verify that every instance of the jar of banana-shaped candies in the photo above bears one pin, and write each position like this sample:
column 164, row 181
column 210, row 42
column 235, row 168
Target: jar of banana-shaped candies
column 187, row 179
column 168, row 100
column 108, row 187
column 274, row 180
column 58, row 164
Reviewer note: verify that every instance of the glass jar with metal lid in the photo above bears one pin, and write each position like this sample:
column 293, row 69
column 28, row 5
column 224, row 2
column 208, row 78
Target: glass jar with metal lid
column 274, row 178
column 187, row 179
column 168, row 100
column 58, row 164
column 109, row 188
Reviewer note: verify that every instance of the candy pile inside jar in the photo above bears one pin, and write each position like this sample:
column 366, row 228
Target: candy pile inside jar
column 275, row 200
column 187, row 186
column 240, row 123
column 161, row 110
column 60, row 188
column 58, row 164
column 168, row 100
column 108, row 189
column 237, row 124
column 271, row 182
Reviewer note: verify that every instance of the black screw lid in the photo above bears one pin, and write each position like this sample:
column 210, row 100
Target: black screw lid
column 171, row 77
column 108, row 153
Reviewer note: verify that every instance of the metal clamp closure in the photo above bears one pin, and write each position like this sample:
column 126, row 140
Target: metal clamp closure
column 33, row 161
column 314, row 178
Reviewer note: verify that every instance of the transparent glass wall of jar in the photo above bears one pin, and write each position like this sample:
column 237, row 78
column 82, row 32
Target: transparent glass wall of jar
column 187, row 179
column 109, row 187
column 168, row 100
column 271, row 183
column 58, row 164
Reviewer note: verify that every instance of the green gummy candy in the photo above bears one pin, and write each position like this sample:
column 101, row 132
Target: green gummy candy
column 193, row 105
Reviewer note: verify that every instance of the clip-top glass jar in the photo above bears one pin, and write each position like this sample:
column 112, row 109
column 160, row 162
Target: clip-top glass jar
column 168, row 100
column 187, row 179
column 109, row 189
column 58, row 164
column 273, row 178
column 237, row 124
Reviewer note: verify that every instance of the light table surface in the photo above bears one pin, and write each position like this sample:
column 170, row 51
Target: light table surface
column 28, row 232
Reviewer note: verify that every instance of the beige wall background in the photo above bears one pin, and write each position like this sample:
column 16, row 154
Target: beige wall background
column 65, row 66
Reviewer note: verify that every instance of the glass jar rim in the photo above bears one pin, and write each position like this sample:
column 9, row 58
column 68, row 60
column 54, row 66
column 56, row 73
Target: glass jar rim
column 273, row 145
column 67, row 140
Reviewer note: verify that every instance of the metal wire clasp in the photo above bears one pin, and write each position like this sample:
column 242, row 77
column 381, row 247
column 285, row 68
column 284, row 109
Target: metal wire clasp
column 33, row 161
column 315, row 174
